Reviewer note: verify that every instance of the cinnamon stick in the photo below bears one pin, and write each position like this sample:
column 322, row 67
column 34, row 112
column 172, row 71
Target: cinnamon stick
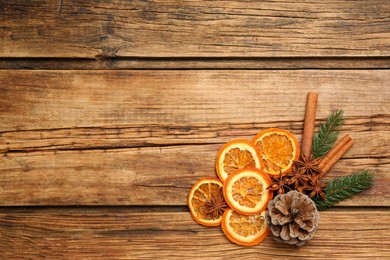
column 334, row 150
column 336, row 156
column 308, row 127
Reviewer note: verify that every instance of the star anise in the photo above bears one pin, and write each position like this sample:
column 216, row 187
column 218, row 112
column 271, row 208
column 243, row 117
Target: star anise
column 216, row 206
column 279, row 185
column 309, row 165
column 317, row 188
column 296, row 177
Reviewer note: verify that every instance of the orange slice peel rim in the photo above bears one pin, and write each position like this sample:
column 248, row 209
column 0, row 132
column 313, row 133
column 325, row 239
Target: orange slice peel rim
column 242, row 145
column 295, row 149
column 247, row 193
column 206, row 180
column 234, row 236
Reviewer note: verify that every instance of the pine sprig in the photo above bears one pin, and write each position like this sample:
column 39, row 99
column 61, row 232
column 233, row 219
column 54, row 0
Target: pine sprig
column 345, row 187
column 327, row 134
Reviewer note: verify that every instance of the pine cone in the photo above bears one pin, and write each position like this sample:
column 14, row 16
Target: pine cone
column 293, row 218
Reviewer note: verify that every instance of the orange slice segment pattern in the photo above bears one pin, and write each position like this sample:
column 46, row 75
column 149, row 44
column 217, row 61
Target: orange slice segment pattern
column 237, row 159
column 278, row 149
column 244, row 230
column 199, row 196
column 246, row 191
column 235, row 155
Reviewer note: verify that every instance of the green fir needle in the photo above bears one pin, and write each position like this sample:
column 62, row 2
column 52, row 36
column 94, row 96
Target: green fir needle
column 327, row 134
column 344, row 188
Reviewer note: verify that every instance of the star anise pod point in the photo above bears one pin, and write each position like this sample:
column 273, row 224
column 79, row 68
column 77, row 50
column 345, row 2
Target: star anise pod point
column 279, row 185
column 296, row 177
column 216, row 206
column 317, row 188
column 309, row 165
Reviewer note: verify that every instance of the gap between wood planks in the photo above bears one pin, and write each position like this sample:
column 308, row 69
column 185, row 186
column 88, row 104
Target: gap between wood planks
column 91, row 209
column 195, row 63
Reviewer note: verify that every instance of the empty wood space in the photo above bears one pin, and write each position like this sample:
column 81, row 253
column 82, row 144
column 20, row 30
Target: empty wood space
column 194, row 28
column 110, row 112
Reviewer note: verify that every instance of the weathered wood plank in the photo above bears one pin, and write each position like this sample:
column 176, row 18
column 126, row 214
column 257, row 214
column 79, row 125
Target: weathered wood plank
column 375, row 128
column 139, row 176
column 193, row 28
column 344, row 234
column 68, row 99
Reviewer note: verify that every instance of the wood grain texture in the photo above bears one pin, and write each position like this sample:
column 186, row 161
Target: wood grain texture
column 140, row 176
column 68, row 99
column 343, row 234
column 194, row 28
column 98, row 164
column 144, row 137
column 373, row 128
column 122, row 63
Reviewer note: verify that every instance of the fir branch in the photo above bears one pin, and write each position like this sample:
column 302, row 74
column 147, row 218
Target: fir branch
column 327, row 134
column 345, row 187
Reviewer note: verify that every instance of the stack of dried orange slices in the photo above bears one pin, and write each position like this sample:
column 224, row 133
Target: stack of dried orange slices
column 238, row 199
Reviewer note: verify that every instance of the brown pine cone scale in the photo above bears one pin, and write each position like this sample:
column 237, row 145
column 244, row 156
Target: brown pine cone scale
column 293, row 218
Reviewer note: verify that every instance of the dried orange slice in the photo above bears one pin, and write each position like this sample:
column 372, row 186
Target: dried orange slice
column 246, row 191
column 206, row 202
column 234, row 155
column 244, row 230
column 278, row 149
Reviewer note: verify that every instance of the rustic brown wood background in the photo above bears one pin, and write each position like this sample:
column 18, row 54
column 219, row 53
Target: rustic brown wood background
column 110, row 112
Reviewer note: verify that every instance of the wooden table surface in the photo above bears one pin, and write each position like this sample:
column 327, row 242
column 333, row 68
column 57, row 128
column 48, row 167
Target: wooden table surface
column 110, row 112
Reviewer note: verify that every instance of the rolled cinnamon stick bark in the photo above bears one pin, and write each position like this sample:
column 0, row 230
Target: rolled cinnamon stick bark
column 334, row 150
column 336, row 156
column 308, row 127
